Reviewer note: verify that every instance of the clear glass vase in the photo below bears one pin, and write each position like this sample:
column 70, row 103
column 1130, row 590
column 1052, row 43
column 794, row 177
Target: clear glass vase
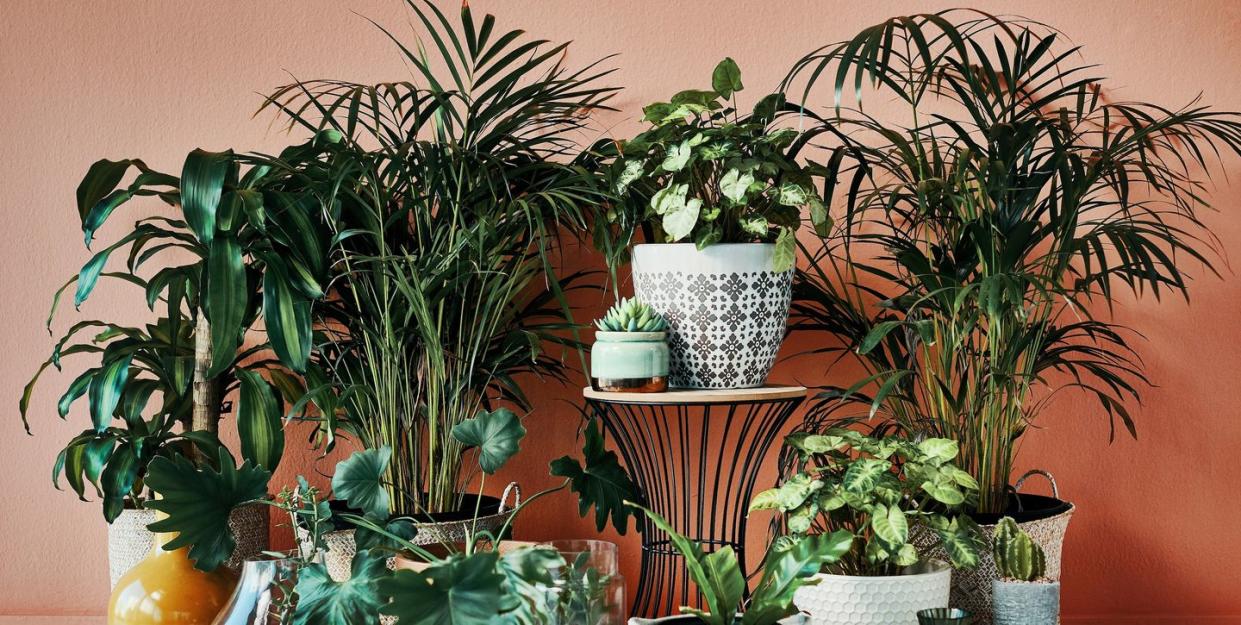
column 264, row 593
column 592, row 591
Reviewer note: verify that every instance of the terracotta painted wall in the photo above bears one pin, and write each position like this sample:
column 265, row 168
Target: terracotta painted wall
column 1156, row 538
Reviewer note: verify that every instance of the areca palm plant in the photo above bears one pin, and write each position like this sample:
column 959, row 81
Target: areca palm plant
column 987, row 236
column 245, row 242
column 454, row 194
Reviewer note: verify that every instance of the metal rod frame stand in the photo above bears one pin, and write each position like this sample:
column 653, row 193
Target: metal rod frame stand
column 696, row 464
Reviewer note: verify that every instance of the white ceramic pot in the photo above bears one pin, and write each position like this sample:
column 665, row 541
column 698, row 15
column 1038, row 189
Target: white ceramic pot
column 727, row 310
column 892, row 600
column 129, row 540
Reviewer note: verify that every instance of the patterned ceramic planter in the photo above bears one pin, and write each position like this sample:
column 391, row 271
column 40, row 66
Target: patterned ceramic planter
column 1025, row 603
column 629, row 362
column 727, row 310
column 892, row 600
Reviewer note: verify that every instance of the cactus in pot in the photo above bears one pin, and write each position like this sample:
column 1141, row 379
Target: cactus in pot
column 1023, row 595
column 630, row 353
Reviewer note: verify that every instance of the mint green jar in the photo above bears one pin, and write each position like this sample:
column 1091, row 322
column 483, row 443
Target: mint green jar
column 633, row 362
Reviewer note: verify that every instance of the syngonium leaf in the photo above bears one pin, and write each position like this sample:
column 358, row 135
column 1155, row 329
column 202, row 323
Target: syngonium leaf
column 198, row 501
column 679, row 222
column 496, row 434
column 734, row 185
column 786, row 250
column 726, row 78
column 323, row 601
column 359, row 481
column 601, row 483
column 462, row 590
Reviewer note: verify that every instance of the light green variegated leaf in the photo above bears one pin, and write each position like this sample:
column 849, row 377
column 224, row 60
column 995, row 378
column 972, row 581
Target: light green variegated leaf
column 907, row 555
column 819, row 216
column 680, row 222
column 815, row 443
column 677, row 157
column 944, row 492
column 632, row 171
column 668, row 199
column 754, row 225
column 800, row 519
column 942, row 449
column 259, row 424
column 734, row 185
column 786, row 250
column 792, row 194
column 863, row 474
column 202, row 185
column 890, row 526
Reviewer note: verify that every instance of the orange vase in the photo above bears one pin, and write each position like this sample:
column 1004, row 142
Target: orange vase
column 166, row 589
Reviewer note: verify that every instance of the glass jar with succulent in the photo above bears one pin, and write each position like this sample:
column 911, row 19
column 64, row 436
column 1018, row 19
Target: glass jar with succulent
column 471, row 583
column 1022, row 593
column 630, row 353
column 719, row 195
column 882, row 492
column 455, row 190
column 248, row 243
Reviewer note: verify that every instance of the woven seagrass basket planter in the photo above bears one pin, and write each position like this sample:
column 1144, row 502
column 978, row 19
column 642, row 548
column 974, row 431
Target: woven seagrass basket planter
column 129, row 540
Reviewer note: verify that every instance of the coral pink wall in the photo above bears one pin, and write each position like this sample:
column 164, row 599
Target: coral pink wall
column 1155, row 539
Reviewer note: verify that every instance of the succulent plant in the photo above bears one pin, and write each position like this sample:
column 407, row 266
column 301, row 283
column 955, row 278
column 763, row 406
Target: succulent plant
column 631, row 315
column 1017, row 556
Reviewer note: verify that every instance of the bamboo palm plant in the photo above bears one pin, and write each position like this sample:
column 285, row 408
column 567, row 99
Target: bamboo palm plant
column 455, row 190
column 986, row 236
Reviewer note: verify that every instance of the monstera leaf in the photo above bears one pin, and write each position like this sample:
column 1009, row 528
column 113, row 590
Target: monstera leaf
column 601, row 483
column 496, row 435
column 323, row 601
column 359, row 481
column 462, row 590
column 198, row 502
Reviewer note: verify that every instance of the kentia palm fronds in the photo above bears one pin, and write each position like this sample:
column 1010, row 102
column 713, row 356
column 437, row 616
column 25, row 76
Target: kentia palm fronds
column 455, row 190
column 982, row 236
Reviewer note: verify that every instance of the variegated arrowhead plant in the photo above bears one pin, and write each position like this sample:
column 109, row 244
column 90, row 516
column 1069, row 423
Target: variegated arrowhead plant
column 877, row 490
column 705, row 172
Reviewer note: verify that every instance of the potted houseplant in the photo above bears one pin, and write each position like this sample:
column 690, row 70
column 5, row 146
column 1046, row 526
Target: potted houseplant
column 249, row 233
column 875, row 491
column 469, row 582
column 1022, row 595
column 630, row 351
column 985, row 240
column 456, row 188
column 788, row 568
column 719, row 195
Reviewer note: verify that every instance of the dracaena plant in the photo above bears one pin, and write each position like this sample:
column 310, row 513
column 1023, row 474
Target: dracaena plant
column 466, row 584
column 246, row 243
column 444, row 290
column 875, row 490
column 704, row 172
column 988, row 236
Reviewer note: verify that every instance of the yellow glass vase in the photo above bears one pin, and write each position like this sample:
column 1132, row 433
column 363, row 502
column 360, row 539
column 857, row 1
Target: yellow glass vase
column 166, row 589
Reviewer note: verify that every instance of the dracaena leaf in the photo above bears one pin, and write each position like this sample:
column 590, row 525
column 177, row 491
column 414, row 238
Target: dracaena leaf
column 225, row 304
column 106, row 388
column 259, row 424
column 202, row 185
column 286, row 314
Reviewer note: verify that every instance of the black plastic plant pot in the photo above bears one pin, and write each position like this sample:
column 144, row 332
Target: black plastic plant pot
column 487, row 506
column 1023, row 508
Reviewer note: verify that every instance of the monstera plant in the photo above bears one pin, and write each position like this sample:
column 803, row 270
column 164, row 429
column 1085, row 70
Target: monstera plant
column 243, row 242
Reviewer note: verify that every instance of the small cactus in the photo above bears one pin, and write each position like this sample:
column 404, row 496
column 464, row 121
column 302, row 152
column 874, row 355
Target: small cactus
column 1017, row 556
column 631, row 315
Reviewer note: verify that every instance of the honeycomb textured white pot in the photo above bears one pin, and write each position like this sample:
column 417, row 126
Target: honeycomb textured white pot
column 895, row 600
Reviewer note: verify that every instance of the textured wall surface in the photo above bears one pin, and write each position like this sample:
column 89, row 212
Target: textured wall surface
column 1155, row 539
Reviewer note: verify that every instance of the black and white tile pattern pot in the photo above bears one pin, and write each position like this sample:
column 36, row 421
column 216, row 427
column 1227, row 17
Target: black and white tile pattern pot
column 727, row 310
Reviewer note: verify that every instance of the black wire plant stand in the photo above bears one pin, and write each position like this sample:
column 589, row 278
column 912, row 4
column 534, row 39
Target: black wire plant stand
column 696, row 457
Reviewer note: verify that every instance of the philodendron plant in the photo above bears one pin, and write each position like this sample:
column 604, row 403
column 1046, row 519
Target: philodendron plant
column 876, row 490
column 244, row 242
column 705, row 173
column 472, row 584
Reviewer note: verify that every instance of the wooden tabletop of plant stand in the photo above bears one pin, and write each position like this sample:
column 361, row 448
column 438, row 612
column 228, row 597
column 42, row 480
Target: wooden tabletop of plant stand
column 699, row 396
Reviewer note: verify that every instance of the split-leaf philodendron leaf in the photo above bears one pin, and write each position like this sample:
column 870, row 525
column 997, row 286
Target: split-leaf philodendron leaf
column 496, row 434
column 601, row 483
column 359, row 482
